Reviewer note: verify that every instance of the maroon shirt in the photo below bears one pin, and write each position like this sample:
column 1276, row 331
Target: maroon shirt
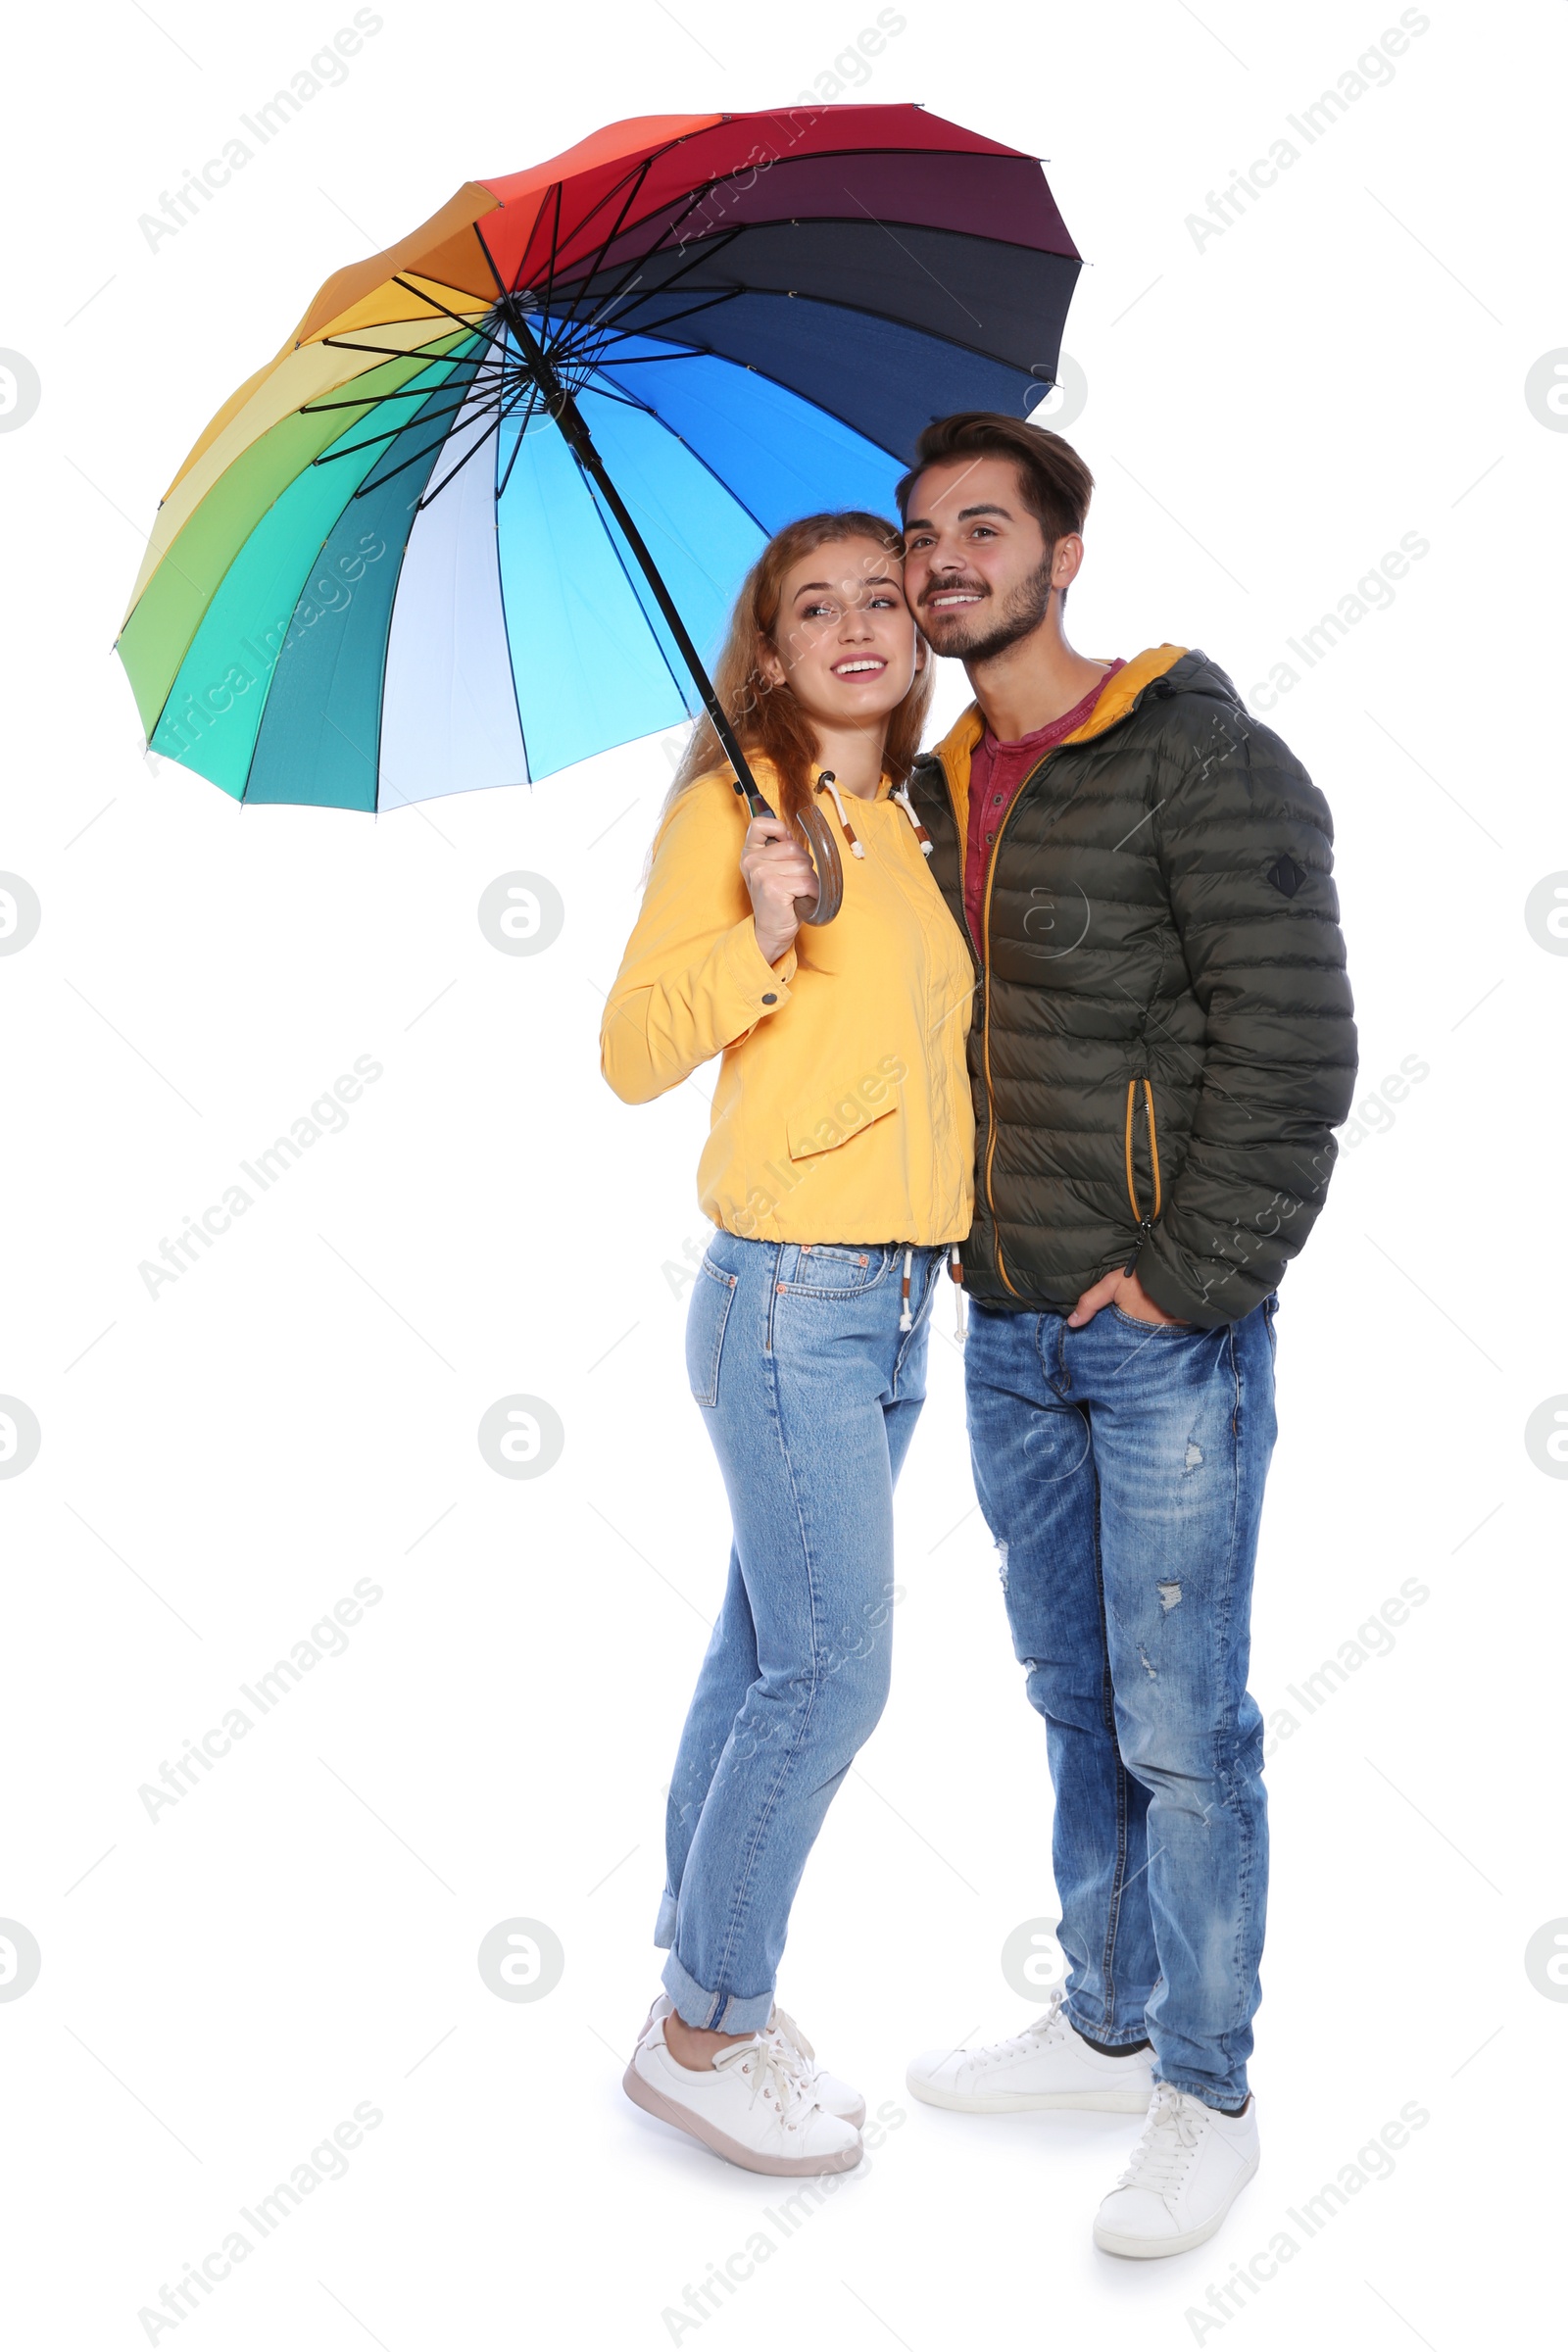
column 996, row 771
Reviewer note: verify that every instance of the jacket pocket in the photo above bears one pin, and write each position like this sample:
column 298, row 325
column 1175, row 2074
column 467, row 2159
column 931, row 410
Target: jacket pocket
column 830, row 1118
column 713, row 1296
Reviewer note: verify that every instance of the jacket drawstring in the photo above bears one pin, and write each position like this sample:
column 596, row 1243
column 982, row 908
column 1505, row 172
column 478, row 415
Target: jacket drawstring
column 828, row 782
column 905, row 1319
column 901, row 796
column 961, row 1303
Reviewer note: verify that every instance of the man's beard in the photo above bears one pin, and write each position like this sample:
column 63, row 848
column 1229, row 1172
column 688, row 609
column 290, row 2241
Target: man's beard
column 984, row 630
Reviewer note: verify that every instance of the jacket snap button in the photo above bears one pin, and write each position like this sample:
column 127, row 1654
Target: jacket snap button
column 771, row 997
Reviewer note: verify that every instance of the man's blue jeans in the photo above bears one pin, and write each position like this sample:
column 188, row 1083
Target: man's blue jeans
column 1120, row 1469
column 810, row 1393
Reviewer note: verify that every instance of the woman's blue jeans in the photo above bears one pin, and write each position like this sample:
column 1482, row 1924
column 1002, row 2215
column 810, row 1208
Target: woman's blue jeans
column 810, row 1393
column 1120, row 1468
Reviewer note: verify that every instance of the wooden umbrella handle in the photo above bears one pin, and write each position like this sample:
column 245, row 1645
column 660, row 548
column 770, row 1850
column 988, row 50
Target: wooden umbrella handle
column 824, row 855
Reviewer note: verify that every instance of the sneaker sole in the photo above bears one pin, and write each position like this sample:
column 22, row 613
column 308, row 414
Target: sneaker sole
column 1146, row 2249
column 1022, row 2102
column 696, row 2126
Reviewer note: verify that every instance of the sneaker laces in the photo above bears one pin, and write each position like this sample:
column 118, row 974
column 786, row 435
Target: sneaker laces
column 782, row 2027
column 1046, row 2027
column 778, row 2078
column 1176, row 2124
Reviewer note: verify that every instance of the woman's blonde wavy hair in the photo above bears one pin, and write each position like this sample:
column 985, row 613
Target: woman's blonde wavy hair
column 769, row 722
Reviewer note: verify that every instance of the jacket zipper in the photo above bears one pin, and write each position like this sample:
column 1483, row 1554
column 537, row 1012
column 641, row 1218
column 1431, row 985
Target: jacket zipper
column 983, row 962
column 963, row 848
column 1133, row 1085
column 1146, row 1225
column 985, row 1005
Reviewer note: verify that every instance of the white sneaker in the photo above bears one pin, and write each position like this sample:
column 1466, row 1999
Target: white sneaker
column 1185, row 2172
column 832, row 2092
column 754, row 2106
column 1046, row 2065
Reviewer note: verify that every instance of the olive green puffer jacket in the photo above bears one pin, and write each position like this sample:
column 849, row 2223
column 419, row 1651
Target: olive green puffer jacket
column 1164, row 1039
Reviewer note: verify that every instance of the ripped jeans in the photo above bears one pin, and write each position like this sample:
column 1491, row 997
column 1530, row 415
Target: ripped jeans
column 1120, row 1468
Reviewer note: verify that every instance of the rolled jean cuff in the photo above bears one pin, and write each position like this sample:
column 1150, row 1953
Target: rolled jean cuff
column 713, row 2012
column 1213, row 2094
column 1107, row 2038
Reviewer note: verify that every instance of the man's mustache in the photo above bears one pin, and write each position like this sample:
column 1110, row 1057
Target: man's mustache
column 948, row 587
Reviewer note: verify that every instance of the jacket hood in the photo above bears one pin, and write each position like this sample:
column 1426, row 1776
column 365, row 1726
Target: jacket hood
column 957, row 746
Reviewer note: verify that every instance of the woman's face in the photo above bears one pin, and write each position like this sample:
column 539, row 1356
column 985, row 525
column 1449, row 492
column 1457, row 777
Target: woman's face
column 845, row 640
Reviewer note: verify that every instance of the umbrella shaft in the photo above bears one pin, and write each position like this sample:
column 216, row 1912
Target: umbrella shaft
column 569, row 417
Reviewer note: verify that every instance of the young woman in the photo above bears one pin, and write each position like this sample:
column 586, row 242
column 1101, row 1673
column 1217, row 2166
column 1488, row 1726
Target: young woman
column 838, row 1174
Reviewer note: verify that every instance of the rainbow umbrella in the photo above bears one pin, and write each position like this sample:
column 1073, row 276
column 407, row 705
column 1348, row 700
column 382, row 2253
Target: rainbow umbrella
column 481, row 514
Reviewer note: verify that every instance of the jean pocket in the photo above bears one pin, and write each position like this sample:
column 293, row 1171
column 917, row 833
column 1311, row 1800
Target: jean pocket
column 1142, row 1323
column 831, row 1270
column 712, row 1296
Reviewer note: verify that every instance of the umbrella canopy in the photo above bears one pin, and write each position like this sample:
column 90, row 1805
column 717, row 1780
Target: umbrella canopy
column 482, row 513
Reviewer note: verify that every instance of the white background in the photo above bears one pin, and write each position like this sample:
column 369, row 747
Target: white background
column 1266, row 413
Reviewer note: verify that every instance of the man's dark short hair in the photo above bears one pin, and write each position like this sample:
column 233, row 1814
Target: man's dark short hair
column 1053, row 481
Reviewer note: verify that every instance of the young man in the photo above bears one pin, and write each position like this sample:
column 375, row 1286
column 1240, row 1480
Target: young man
column 1163, row 1043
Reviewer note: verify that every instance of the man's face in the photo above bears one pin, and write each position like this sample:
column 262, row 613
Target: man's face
column 978, row 571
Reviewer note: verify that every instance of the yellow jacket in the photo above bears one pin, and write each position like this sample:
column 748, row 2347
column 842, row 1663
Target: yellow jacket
column 843, row 1110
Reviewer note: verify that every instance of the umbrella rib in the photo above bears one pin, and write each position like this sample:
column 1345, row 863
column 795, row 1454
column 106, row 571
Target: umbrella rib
column 696, row 455
column 421, row 296
column 865, row 309
column 434, row 490
column 593, row 500
column 624, row 400
column 489, row 259
column 637, row 174
column 419, row 398
column 577, row 339
column 698, row 196
column 371, row 400
column 648, row 359
column 710, row 247
column 695, row 309
column 753, row 368
column 860, row 310
column 376, row 482
column 534, row 395
column 555, row 235
column 390, row 350
column 327, row 457
column 674, row 222
column 638, row 177
column 857, row 310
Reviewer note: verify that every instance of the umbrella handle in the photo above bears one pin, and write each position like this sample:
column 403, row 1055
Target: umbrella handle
column 824, row 852
column 822, row 849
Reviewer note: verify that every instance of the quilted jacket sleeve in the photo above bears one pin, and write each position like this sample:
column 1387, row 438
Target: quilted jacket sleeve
column 1245, row 840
